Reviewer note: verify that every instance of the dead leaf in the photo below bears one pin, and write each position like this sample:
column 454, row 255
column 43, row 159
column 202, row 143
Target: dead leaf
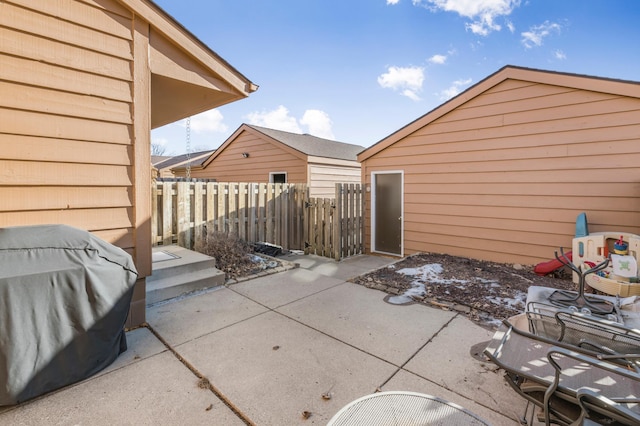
column 306, row 414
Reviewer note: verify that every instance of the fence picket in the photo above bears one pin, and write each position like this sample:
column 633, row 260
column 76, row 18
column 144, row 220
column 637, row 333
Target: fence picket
column 167, row 213
column 282, row 214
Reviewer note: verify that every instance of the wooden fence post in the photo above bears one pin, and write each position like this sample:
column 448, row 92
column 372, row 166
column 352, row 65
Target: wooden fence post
column 184, row 214
column 167, row 213
column 337, row 240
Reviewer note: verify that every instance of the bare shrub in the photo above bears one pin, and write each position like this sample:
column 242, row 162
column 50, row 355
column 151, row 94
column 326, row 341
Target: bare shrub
column 230, row 252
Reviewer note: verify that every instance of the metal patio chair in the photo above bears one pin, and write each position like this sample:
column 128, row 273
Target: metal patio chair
column 529, row 371
column 607, row 393
column 585, row 331
column 593, row 404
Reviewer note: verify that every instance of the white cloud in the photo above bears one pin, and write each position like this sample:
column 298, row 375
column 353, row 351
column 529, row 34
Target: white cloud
column 392, row 1
column 407, row 80
column 482, row 13
column 438, row 59
column 278, row 119
column 511, row 27
column 559, row 54
column 318, row 123
column 454, row 89
column 205, row 122
column 537, row 33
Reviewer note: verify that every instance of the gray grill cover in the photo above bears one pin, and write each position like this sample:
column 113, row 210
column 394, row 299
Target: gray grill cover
column 64, row 300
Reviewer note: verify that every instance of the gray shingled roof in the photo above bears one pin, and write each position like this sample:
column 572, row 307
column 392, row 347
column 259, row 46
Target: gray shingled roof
column 311, row 145
column 197, row 158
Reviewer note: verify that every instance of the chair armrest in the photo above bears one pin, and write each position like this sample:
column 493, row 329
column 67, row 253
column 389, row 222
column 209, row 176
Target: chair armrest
column 593, row 401
column 611, row 381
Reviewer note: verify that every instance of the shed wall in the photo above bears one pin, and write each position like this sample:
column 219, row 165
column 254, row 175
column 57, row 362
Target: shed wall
column 504, row 176
column 264, row 157
column 323, row 179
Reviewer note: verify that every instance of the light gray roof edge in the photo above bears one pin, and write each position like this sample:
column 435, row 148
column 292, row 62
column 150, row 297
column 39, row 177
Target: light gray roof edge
column 198, row 157
column 313, row 145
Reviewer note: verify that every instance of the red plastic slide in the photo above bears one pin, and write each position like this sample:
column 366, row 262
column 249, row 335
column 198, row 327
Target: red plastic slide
column 545, row 268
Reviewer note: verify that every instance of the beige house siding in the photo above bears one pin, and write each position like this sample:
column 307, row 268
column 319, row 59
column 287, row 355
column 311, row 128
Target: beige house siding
column 264, row 157
column 75, row 165
column 503, row 174
column 76, row 111
column 323, row 178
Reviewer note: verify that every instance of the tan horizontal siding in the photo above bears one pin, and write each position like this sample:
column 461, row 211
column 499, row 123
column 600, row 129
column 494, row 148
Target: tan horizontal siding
column 23, row 97
column 513, row 91
column 71, row 33
column 40, row 74
column 609, row 162
column 89, row 13
column 504, row 176
column 89, row 219
column 36, row 148
column 264, row 157
column 21, row 173
column 65, row 135
column 52, row 52
column 546, row 201
column 562, row 214
column 524, row 176
column 497, row 251
column 501, row 139
column 482, row 153
column 33, row 198
column 562, row 119
column 531, row 189
column 123, row 238
column 22, row 122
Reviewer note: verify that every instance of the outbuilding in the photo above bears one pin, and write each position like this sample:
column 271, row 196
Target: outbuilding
column 262, row 155
column 501, row 171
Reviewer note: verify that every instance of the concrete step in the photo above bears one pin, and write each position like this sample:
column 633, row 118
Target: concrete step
column 167, row 288
column 177, row 271
column 171, row 261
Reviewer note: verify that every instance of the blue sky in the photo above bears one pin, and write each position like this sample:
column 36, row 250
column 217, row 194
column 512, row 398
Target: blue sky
column 358, row 70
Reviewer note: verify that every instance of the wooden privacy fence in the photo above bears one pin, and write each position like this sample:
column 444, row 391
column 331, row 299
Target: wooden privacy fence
column 335, row 226
column 282, row 214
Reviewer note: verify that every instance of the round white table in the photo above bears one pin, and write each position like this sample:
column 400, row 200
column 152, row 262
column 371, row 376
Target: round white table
column 403, row 408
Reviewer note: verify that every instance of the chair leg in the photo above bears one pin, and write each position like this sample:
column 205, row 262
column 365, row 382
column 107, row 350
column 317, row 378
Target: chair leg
column 523, row 419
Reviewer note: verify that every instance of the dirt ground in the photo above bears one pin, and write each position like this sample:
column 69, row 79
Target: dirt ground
column 484, row 291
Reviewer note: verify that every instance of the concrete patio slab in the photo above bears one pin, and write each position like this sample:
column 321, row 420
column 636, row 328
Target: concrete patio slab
column 344, row 269
column 285, row 287
column 141, row 344
column 305, row 333
column 359, row 316
column 207, row 312
column 157, row 390
column 274, row 369
column 457, row 369
column 405, row 381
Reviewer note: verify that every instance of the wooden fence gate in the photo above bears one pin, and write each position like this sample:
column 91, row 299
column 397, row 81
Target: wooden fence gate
column 282, row 214
column 335, row 226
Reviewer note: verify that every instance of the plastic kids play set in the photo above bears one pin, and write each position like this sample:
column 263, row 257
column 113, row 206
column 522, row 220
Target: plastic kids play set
column 620, row 276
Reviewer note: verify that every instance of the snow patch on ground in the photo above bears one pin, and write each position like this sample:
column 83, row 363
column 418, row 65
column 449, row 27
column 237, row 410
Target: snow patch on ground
column 431, row 273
